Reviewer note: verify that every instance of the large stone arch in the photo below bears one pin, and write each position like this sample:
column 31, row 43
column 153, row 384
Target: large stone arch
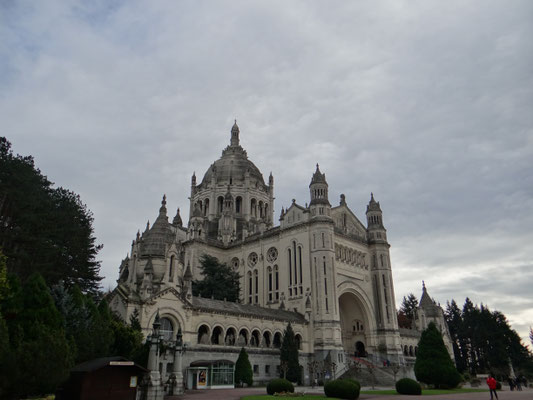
column 357, row 319
column 176, row 318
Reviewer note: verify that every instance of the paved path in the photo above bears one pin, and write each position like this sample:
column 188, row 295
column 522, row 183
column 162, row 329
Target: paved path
column 236, row 394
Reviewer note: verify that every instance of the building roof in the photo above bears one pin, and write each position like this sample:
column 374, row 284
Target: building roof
column 247, row 309
column 233, row 164
column 97, row 363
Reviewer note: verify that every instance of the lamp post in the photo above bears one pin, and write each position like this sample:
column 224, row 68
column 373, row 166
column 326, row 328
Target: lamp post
column 176, row 378
column 312, row 366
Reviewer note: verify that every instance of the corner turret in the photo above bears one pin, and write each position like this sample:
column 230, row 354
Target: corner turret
column 318, row 189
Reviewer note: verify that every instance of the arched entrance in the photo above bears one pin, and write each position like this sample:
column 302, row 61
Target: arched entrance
column 360, row 349
column 354, row 324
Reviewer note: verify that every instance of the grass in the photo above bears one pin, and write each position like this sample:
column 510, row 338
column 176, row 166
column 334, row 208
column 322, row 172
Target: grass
column 392, row 392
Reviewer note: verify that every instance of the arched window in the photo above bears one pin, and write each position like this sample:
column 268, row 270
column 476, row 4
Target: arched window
column 243, row 338
column 411, row 351
column 270, row 296
column 206, row 207
column 266, row 339
column 260, row 209
column 238, row 205
column 230, row 338
column 217, row 335
column 277, row 340
column 255, row 338
column 171, row 268
column 298, row 339
column 203, row 335
column 256, row 286
column 276, row 281
column 250, row 287
column 166, row 329
column 253, row 208
column 220, row 204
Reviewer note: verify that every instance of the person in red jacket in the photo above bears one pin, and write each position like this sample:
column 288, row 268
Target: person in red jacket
column 491, row 382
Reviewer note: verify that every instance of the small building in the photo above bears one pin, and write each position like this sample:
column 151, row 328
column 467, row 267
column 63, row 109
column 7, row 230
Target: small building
column 109, row 378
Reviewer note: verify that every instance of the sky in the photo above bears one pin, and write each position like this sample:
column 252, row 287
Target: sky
column 427, row 104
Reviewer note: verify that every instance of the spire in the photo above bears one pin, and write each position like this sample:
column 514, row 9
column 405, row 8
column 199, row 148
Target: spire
column 234, row 135
column 318, row 177
column 373, row 205
column 163, row 209
column 193, row 179
column 425, row 300
column 147, row 226
column 177, row 219
column 188, row 274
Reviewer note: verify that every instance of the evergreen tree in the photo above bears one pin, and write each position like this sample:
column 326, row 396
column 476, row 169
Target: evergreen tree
column 454, row 319
column 433, row 364
column 219, row 282
column 289, row 354
column 44, row 229
column 38, row 344
column 409, row 306
column 134, row 320
column 243, row 369
column 127, row 340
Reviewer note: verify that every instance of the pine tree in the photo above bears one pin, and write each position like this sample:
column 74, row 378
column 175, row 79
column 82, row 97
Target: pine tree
column 289, row 354
column 243, row 369
column 220, row 281
column 409, row 306
column 433, row 364
column 38, row 343
column 44, row 229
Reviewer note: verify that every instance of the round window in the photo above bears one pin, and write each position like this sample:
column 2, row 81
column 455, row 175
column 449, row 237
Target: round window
column 252, row 259
column 272, row 254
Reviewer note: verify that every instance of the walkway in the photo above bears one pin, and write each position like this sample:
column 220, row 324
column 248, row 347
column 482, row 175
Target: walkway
column 236, row 394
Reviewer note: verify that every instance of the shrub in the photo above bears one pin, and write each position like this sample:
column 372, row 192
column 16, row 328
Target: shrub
column 408, row 386
column 342, row 389
column 433, row 363
column 243, row 369
column 279, row 385
column 498, row 385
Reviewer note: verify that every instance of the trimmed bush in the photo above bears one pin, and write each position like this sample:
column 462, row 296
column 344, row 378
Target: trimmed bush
column 279, row 385
column 408, row 386
column 343, row 389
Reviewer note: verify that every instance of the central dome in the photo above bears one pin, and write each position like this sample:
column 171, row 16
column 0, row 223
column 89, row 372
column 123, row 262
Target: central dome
column 233, row 165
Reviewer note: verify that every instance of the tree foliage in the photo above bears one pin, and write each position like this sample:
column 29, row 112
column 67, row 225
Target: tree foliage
column 44, row 229
column 484, row 342
column 219, row 280
column 409, row 306
column 243, row 369
column 289, row 354
column 39, row 355
column 434, row 365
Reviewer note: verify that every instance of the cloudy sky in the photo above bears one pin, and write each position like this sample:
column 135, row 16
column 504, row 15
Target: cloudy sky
column 428, row 104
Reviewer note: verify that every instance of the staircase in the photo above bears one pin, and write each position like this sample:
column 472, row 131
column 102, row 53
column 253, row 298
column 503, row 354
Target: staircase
column 369, row 374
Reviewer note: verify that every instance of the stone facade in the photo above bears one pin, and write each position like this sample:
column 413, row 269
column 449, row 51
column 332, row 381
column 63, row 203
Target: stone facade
column 321, row 269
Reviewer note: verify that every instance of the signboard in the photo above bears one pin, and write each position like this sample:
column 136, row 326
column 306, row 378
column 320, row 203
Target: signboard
column 121, row 363
column 202, row 378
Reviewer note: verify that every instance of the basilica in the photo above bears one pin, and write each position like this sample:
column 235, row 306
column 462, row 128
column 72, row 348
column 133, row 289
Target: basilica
column 321, row 268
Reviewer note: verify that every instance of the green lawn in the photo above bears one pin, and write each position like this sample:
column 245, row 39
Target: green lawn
column 392, row 392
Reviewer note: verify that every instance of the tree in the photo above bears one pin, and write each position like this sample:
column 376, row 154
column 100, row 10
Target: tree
column 409, row 306
column 44, row 229
column 289, row 355
column 219, row 280
column 243, row 369
column 42, row 353
column 433, row 364
column 531, row 335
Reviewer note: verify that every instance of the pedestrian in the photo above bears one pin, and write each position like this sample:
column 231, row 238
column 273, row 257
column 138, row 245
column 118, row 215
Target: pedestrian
column 518, row 383
column 491, row 382
column 511, row 383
